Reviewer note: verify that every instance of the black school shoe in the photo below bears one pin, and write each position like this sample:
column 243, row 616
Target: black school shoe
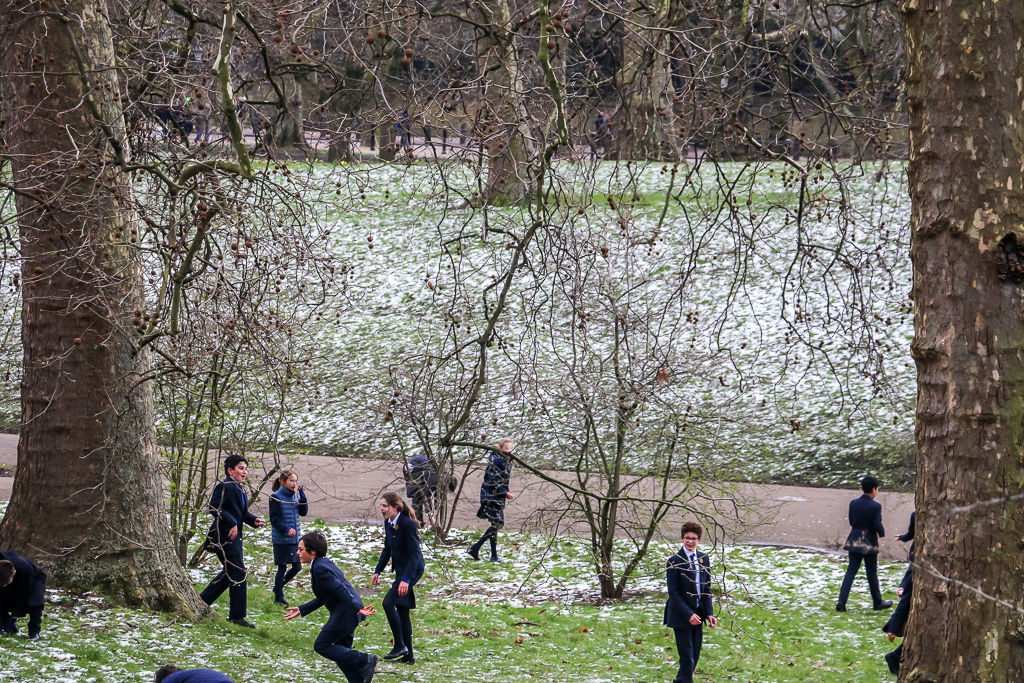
column 885, row 604
column 370, row 669
column 892, row 663
column 397, row 652
column 241, row 622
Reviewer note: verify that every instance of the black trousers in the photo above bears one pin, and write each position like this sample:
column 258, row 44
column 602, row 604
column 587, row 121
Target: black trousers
column 8, row 624
column 231, row 579
column 870, row 568
column 335, row 643
column 688, row 644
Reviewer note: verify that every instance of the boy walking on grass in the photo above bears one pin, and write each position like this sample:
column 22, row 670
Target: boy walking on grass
column 689, row 600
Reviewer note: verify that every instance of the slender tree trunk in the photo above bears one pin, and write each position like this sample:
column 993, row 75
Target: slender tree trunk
column 965, row 69
column 87, row 501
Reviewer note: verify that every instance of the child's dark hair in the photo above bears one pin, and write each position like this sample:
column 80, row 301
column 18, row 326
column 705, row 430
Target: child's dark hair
column 868, row 484
column 164, row 671
column 281, row 478
column 695, row 527
column 232, row 461
column 6, row 572
column 315, row 542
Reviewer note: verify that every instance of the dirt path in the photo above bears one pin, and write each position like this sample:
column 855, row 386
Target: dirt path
column 347, row 489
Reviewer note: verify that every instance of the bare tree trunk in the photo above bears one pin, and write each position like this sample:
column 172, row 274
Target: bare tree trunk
column 87, row 453
column 507, row 139
column 967, row 245
column 644, row 125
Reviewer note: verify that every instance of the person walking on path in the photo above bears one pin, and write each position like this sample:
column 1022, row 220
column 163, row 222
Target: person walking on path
column 862, row 544
column 230, row 509
column 332, row 590
column 689, row 606
column 22, row 592
column 402, row 549
column 494, row 493
column 421, row 481
column 287, row 505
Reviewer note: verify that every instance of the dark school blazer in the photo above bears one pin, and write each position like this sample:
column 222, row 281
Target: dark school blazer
column 683, row 600
column 332, row 590
column 402, row 548
column 229, row 507
column 28, row 587
column 866, row 520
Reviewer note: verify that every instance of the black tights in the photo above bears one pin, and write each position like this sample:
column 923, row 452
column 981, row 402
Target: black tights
column 490, row 535
column 284, row 575
column 399, row 621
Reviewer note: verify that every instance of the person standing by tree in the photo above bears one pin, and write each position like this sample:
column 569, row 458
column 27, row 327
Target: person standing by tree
column 22, row 591
column 331, row 589
column 494, row 493
column 402, row 549
column 862, row 544
column 287, row 504
column 230, row 509
column 688, row 574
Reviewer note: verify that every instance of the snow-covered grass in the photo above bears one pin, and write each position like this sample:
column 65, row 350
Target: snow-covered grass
column 531, row 618
column 798, row 371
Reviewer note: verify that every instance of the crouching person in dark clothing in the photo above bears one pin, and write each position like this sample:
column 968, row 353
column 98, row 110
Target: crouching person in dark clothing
column 22, row 592
column 332, row 589
column 172, row 674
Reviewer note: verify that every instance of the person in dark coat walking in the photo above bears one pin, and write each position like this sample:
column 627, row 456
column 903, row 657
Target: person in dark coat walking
column 287, row 505
column 689, row 606
column 402, row 549
column 897, row 624
column 22, row 592
column 494, row 493
column 332, row 590
column 230, row 509
column 172, row 674
column 862, row 544
column 421, row 481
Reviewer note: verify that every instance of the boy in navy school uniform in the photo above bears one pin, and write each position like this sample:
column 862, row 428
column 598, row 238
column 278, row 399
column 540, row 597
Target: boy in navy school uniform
column 862, row 544
column 331, row 589
column 689, row 606
column 230, row 508
column 22, row 592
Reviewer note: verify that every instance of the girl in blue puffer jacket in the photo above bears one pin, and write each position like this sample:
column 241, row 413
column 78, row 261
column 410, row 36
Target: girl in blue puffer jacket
column 287, row 504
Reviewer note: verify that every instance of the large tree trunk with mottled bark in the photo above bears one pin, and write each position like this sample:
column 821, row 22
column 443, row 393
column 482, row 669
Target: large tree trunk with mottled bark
column 507, row 140
column 965, row 68
column 87, row 501
column 644, row 125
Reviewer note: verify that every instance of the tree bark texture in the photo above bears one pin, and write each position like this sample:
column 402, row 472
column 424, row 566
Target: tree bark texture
column 964, row 74
column 644, row 124
column 506, row 136
column 87, row 501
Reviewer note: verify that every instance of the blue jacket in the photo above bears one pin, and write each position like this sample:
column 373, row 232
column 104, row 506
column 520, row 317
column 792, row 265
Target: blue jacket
column 27, row 588
column 285, row 509
column 866, row 520
column 496, row 478
column 402, row 548
column 198, row 676
column 332, row 589
column 683, row 600
column 229, row 507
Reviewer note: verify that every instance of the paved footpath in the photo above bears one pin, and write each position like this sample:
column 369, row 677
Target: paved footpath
column 347, row 489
